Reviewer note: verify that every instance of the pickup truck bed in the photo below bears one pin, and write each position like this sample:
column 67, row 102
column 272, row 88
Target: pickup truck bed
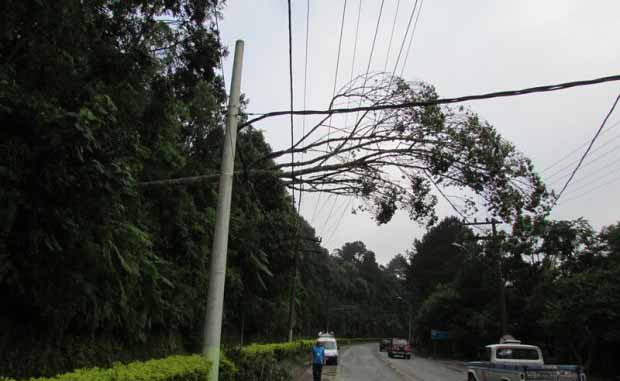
column 510, row 372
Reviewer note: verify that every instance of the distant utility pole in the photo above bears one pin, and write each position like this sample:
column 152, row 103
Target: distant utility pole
column 293, row 297
column 502, row 286
column 217, row 273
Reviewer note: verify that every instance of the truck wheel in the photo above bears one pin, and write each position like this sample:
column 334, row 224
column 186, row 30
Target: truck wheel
column 471, row 378
column 336, row 361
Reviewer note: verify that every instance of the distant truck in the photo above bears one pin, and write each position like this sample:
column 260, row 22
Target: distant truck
column 399, row 347
column 330, row 345
column 512, row 361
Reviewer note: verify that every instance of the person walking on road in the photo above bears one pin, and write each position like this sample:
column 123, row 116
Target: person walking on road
column 318, row 359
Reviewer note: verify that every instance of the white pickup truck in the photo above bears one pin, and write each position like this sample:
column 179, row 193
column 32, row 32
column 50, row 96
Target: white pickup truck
column 513, row 361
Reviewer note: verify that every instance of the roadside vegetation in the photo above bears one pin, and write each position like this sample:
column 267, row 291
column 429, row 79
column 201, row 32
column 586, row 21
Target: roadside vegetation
column 561, row 290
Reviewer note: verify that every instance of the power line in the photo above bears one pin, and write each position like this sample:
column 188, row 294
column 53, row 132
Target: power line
column 344, row 211
column 599, row 170
column 615, row 180
column 303, row 123
column 329, row 129
column 415, row 26
column 441, row 192
column 593, row 182
column 598, row 132
column 357, row 30
column 359, row 14
column 290, row 73
column 595, row 159
column 430, row 178
column 344, row 10
column 374, row 40
column 439, row 101
column 571, row 153
column 402, row 45
column 589, row 162
column 387, row 58
column 372, row 51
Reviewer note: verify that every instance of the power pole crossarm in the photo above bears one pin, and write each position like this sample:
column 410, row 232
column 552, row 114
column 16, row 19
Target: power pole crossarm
column 217, row 272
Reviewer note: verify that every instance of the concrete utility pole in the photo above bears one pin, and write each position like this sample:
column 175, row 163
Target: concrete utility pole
column 502, row 285
column 217, row 272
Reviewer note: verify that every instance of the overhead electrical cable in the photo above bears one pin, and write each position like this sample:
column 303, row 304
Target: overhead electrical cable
column 574, row 151
column 339, row 221
column 344, row 10
column 372, row 51
column 439, row 101
column 303, row 123
column 329, row 129
column 589, row 161
column 402, row 45
column 592, row 184
column 387, row 58
column 606, row 167
column 585, row 154
column 290, row 73
column 441, row 192
column 415, row 26
column 359, row 14
column 590, row 191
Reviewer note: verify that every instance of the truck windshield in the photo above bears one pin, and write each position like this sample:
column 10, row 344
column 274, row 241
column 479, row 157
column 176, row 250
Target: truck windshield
column 329, row 344
column 517, row 354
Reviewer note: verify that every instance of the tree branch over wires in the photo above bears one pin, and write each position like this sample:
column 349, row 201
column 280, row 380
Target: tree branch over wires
column 406, row 141
column 392, row 157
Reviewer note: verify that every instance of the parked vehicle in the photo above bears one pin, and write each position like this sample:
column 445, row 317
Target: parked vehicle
column 331, row 347
column 399, row 347
column 512, row 361
column 384, row 344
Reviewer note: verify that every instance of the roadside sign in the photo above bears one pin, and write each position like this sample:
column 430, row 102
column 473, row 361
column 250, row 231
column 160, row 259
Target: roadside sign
column 439, row 335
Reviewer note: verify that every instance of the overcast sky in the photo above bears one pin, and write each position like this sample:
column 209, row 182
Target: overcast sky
column 460, row 47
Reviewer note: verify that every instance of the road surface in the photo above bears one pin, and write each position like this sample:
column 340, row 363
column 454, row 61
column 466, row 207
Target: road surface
column 365, row 363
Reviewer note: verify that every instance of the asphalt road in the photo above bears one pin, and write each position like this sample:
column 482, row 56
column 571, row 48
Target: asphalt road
column 365, row 363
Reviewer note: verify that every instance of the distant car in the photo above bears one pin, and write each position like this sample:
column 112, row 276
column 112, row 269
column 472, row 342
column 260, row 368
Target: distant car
column 331, row 347
column 384, row 344
column 399, row 347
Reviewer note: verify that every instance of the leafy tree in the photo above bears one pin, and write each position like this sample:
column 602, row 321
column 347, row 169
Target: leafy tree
column 398, row 266
column 436, row 258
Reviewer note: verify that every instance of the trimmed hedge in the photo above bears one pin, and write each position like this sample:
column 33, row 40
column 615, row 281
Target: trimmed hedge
column 268, row 361
column 276, row 361
column 252, row 362
column 173, row 368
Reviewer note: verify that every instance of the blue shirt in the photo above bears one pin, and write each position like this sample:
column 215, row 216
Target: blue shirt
column 318, row 354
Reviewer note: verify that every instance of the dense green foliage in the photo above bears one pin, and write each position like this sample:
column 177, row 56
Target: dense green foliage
column 97, row 98
column 561, row 290
column 173, row 368
column 270, row 361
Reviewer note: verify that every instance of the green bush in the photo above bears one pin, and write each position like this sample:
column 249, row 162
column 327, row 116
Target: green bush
column 253, row 362
column 269, row 361
column 173, row 368
column 275, row 361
